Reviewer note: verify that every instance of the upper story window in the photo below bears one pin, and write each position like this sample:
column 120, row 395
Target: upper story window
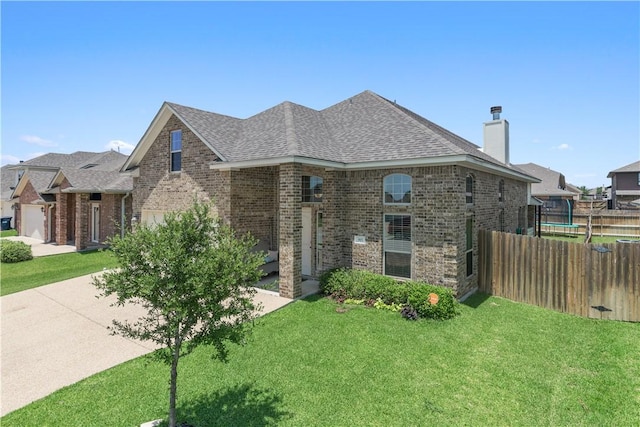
column 638, row 178
column 469, row 189
column 311, row 189
column 176, row 150
column 397, row 189
column 501, row 191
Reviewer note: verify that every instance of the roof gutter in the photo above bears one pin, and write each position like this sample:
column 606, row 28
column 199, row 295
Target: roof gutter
column 462, row 159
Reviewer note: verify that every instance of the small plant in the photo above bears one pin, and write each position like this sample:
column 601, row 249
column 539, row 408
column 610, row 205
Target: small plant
column 383, row 292
column 11, row 251
column 409, row 313
column 381, row 305
column 354, row 301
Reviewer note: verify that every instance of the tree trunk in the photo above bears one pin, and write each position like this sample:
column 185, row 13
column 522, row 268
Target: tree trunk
column 173, row 385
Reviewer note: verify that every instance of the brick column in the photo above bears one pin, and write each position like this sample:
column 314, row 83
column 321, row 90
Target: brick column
column 82, row 220
column 290, row 231
column 61, row 218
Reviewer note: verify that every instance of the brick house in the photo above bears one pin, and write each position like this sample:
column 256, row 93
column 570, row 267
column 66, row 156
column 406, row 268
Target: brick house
column 625, row 186
column 364, row 183
column 78, row 199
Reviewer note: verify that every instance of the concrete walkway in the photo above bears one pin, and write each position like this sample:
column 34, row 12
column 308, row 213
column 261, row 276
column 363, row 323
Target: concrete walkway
column 39, row 248
column 56, row 335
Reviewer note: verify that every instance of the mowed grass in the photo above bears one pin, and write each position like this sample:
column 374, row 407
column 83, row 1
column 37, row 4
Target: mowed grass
column 499, row 363
column 579, row 238
column 8, row 233
column 19, row 276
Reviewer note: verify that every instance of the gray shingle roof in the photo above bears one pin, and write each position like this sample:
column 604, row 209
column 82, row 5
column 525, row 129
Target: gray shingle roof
column 96, row 181
column 7, row 180
column 632, row 167
column 364, row 128
column 86, row 171
column 553, row 182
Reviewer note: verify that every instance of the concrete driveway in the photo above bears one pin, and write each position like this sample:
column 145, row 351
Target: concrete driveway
column 56, row 335
column 39, row 248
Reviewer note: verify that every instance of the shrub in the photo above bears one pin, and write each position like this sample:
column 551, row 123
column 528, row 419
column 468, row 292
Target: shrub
column 11, row 251
column 424, row 300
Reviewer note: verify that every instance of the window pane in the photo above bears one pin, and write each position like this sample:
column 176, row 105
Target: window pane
column 396, row 264
column 397, row 233
column 176, row 140
column 397, row 188
column 469, row 263
column 469, row 189
column 311, row 189
column 469, row 233
column 176, row 161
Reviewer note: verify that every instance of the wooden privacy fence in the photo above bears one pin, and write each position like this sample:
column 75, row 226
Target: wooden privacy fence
column 599, row 281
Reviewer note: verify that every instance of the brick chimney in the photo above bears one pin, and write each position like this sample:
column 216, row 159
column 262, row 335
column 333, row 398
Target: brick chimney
column 496, row 137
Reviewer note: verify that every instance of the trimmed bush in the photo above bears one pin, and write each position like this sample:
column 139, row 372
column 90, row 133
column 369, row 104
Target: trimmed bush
column 419, row 297
column 11, row 251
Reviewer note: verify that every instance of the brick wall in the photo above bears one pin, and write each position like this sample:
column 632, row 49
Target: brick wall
column 353, row 205
column 254, row 203
column 157, row 188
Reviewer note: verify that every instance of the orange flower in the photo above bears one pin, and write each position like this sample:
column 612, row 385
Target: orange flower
column 433, row 298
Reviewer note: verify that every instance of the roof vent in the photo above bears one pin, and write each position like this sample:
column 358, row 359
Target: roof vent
column 496, row 112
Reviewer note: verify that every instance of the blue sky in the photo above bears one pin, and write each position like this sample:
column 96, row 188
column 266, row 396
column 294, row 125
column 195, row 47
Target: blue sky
column 92, row 75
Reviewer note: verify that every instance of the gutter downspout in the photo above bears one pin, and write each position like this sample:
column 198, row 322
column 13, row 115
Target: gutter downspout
column 122, row 214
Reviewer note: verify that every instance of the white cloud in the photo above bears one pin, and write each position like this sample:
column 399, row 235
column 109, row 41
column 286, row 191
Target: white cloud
column 36, row 140
column 562, row 147
column 120, row 146
column 8, row 159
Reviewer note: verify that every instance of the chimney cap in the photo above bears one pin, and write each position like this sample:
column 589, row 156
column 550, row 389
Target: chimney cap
column 496, row 110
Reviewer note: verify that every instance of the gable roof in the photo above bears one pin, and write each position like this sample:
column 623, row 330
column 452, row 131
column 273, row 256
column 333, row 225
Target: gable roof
column 365, row 130
column 90, row 181
column 552, row 182
column 631, row 167
column 89, row 172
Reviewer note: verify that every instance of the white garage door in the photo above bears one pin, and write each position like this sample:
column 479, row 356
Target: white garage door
column 152, row 217
column 32, row 221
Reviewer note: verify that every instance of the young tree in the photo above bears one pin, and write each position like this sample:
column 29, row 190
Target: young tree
column 194, row 277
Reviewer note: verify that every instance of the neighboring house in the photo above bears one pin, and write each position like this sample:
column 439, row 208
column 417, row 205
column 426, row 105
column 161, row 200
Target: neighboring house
column 8, row 181
column 625, row 186
column 577, row 192
column 78, row 199
column 365, row 183
column 553, row 191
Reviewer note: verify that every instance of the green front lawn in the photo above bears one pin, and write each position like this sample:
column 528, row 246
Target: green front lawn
column 8, row 233
column 19, row 276
column 499, row 363
column 579, row 238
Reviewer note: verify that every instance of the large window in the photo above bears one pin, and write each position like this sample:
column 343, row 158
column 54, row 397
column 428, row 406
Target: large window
column 469, row 245
column 397, row 189
column 469, row 189
column 176, row 150
column 397, row 245
column 311, row 189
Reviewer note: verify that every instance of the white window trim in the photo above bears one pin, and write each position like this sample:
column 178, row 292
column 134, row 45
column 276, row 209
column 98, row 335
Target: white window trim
column 397, row 251
column 172, row 151
column 384, row 201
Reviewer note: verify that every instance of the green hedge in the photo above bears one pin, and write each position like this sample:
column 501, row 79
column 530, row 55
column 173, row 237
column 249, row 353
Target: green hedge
column 11, row 251
column 360, row 284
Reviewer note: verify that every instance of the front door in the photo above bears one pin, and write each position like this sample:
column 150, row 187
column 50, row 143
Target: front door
column 95, row 222
column 306, row 241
